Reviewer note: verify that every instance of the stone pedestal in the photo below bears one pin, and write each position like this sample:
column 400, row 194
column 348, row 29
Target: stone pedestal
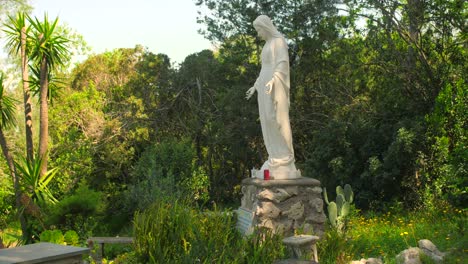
column 284, row 205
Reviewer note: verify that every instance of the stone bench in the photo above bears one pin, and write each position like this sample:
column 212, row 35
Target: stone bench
column 43, row 253
column 101, row 241
column 300, row 242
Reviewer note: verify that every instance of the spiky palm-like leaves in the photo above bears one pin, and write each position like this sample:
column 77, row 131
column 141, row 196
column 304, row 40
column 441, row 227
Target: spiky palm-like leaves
column 17, row 42
column 47, row 44
column 33, row 183
column 7, row 107
column 13, row 29
column 49, row 51
column 55, row 84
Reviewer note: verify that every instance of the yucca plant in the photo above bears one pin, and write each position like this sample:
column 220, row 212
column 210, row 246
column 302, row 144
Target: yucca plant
column 17, row 32
column 55, row 84
column 32, row 182
column 49, row 50
column 7, row 106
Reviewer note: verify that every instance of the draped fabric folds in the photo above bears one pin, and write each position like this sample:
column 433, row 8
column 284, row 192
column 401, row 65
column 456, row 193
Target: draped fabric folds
column 274, row 107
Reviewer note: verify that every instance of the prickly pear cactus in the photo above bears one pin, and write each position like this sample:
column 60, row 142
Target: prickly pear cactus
column 333, row 213
column 339, row 210
column 340, row 200
column 348, row 193
column 345, row 209
column 339, row 190
column 325, row 196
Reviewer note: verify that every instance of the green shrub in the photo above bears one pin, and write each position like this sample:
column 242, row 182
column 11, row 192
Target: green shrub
column 7, row 198
column 11, row 236
column 197, row 186
column 57, row 237
column 165, row 171
column 126, row 258
column 52, row 236
column 173, row 232
column 80, row 211
column 171, row 157
column 71, row 238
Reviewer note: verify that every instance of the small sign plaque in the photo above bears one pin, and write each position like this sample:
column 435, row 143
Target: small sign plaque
column 245, row 221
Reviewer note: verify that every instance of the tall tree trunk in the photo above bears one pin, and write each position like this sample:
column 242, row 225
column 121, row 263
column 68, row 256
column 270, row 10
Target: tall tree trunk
column 27, row 98
column 198, row 132
column 15, row 179
column 44, row 115
column 415, row 13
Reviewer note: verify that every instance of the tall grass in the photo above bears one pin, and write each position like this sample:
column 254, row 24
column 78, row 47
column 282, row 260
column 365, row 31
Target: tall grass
column 174, row 232
column 386, row 235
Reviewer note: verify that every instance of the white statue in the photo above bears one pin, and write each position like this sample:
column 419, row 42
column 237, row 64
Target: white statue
column 273, row 87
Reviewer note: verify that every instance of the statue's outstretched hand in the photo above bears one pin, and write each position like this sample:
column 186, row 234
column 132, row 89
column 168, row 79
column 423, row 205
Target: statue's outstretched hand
column 250, row 92
column 269, row 87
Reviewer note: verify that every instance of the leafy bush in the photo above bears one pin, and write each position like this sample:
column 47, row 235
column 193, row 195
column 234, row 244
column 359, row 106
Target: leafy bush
column 57, row 237
column 11, row 236
column 197, row 186
column 79, row 211
column 172, row 157
column 126, row 258
column 165, row 171
column 445, row 172
column 6, row 201
column 71, row 238
column 52, row 236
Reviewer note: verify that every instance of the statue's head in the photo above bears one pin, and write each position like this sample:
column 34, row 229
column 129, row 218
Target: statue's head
column 265, row 27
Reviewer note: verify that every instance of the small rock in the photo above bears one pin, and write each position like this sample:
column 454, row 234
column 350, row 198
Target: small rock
column 317, row 203
column 317, row 218
column 431, row 250
column 368, row 261
column 278, row 196
column 295, row 212
column 373, row 261
column 294, row 261
column 268, row 209
column 315, row 190
column 409, row 256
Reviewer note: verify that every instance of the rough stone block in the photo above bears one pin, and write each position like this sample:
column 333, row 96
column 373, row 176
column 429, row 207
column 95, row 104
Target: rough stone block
column 285, row 205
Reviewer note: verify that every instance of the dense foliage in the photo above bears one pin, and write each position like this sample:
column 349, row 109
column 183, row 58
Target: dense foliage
column 378, row 100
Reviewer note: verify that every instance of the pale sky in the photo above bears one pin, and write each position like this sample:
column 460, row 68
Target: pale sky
column 163, row 26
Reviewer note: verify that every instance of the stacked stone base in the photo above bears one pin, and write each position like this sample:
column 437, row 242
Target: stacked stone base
column 285, row 205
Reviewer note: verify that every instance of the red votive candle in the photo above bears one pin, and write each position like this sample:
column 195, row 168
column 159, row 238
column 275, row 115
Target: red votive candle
column 266, row 175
